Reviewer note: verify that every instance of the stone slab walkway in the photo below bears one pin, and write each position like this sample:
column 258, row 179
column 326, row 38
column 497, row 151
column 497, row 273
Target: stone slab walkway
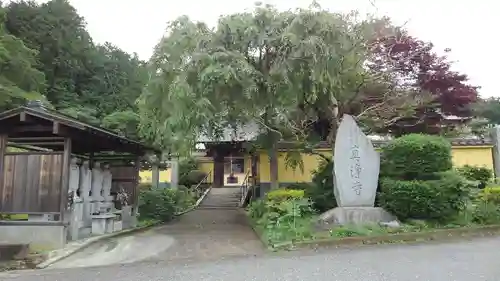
column 203, row 234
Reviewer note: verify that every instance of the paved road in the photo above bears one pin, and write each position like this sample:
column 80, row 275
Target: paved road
column 462, row 261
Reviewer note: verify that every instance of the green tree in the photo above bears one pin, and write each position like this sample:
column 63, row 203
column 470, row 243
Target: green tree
column 19, row 79
column 98, row 84
column 207, row 80
column 58, row 33
column 279, row 70
column 489, row 109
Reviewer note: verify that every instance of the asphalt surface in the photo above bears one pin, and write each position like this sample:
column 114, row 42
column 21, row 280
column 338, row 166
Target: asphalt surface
column 460, row 261
column 201, row 235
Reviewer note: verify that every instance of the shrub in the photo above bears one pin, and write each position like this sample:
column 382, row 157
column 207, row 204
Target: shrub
column 283, row 220
column 185, row 167
column 192, row 178
column 321, row 195
column 415, row 156
column 321, row 191
column 486, row 213
column 490, row 194
column 474, row 173
column 283, row 194
column 439, row 199
column 257, row 209
column 162, row 204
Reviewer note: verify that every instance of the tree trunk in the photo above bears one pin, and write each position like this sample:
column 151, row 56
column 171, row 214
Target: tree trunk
column 273, row 166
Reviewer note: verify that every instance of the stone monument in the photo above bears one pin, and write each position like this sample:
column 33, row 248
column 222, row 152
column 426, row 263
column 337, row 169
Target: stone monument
column 95, row 193
column 74, row 179
column 76, row 207
column 356, row 166
column 85, row 186
column 85, row 180
column 107, row 179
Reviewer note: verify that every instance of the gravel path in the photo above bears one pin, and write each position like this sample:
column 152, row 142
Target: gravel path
column 462, row 261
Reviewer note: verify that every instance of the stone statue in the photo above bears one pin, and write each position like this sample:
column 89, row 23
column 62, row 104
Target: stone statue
column 96, row 182
column 85, row 180
column 74, row 178
column 107, row 180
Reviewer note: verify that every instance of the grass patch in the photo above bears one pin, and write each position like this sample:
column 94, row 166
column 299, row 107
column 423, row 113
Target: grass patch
column 303, row 231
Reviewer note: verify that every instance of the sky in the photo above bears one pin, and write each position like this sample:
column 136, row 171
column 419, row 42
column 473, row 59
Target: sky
column 465, row 26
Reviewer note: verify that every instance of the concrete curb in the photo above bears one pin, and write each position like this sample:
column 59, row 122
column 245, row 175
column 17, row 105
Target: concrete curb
column 61, row 254
column 434, row 235
column 66, row 252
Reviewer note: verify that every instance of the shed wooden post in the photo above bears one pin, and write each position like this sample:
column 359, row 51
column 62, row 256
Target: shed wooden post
column 3, row 148
column 137, row 181
column 65, row 177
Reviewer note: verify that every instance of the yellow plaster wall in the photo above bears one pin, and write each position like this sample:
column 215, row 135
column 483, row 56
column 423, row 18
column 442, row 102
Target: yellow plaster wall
column 147, row 176
column 288, row 174
column 473, row 155
column 207, row 166
column 462, row 155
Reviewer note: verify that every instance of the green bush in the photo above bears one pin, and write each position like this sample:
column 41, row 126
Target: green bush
column 163, row 204
column 415, row 157
column 284, row 194
column 283, row 220
column 281, row 202
column 321, row 189
column 186, row 166
column 439, row 199
column 192, row 178
column 475, row 173
column 490, row 195
column 486, row 213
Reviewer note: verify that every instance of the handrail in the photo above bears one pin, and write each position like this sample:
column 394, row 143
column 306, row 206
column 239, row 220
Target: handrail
column 245, row 188
column 204, row 180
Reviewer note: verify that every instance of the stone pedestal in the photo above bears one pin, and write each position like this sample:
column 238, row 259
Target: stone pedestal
column 355, row 216
column 87, row 214
column 76, row 221
column 127, row 220
column 41, row 217
column 102, row 224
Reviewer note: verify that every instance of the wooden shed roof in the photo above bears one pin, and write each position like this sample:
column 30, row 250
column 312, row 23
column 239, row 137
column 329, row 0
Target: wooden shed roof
column 27, row 123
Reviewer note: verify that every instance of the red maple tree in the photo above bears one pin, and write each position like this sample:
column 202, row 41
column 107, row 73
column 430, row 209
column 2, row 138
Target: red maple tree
column 417, row 67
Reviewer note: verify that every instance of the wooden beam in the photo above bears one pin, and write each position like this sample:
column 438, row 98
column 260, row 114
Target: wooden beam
column 65, row 178
column 55, row 128
column 3, row 147
column 136, row 182
column 42, row 143
column 36, row 139
column 31, row 128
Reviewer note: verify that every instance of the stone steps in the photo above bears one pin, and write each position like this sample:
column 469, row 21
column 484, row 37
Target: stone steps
column 224, row 197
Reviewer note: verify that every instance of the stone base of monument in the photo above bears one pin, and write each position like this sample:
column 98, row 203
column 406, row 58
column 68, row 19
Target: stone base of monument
column 102, row 224
column 84, row 232
column 355, row 216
